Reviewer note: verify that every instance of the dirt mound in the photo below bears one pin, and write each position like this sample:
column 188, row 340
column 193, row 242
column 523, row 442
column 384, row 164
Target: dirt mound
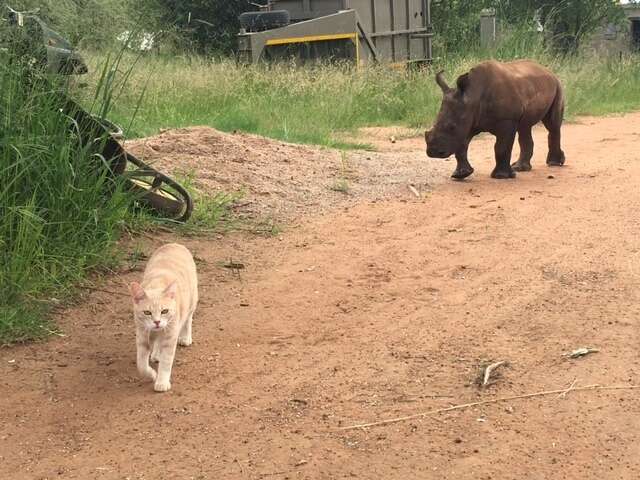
column 283, row 180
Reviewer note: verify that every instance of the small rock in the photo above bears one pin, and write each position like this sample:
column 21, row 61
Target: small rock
column 551, row 177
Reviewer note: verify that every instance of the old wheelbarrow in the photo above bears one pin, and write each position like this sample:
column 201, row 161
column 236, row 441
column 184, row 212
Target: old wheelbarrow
column 49, row 50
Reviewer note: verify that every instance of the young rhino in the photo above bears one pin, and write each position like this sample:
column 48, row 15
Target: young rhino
column 502, row 99
column 163, row 307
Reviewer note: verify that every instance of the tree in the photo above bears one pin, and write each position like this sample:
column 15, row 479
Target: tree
column 567, row 22
column 205, row 25
column 87, row 23
column 457, row 23
column 572, row 21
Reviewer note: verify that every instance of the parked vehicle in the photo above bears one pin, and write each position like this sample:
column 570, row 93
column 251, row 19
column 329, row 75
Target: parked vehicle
column 387, row 31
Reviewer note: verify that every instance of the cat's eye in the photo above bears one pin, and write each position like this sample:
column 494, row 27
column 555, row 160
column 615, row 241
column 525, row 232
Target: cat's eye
column 165, row 311
column 147, row 312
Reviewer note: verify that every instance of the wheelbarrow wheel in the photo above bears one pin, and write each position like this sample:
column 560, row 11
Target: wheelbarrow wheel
column 114, row 129
column 168, row 198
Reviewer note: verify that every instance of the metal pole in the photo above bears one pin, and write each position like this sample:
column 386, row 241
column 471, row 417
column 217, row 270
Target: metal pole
column 429, row 30
column 392, row 20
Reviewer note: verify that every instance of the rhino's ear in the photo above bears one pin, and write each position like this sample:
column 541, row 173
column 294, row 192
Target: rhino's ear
column 463, row 82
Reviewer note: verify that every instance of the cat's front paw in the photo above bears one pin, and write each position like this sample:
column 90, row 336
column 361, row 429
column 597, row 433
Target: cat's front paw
column 185, row 341
column 148, row 374
column 162, row 386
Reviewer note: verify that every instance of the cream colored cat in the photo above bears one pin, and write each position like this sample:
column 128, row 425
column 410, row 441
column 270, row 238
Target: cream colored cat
column 163, row 307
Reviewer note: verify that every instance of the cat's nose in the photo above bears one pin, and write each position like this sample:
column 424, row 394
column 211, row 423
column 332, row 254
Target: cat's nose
column 157, row 322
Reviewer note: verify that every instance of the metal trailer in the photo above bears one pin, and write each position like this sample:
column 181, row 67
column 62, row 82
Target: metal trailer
column 388, row 31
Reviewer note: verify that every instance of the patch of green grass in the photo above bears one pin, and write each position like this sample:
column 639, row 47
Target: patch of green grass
column 342, row 186
column 267, row 227
column 300, row 105
column 211, row 213
column 608, row 86
column 316, row 104
column 23, row 323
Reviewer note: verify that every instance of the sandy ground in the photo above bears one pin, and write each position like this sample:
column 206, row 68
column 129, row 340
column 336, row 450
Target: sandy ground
column 366, row 311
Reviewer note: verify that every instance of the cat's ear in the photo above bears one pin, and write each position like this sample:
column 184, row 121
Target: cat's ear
column 170, row 291
column 137, row 292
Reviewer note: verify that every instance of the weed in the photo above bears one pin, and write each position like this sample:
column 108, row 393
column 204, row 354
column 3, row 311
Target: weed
column 342, row 184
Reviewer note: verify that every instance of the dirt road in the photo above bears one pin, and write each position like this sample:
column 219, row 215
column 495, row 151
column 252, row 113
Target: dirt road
column 373, row 311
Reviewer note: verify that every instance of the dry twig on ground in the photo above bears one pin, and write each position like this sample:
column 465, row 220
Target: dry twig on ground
column 487, row 372
column 487, row 402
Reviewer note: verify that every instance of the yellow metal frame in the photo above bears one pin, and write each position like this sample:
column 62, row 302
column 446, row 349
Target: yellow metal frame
column 319, row 38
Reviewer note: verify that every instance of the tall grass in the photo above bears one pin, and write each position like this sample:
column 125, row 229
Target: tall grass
column 57, row 219
column 304, row 105
column 313, row 104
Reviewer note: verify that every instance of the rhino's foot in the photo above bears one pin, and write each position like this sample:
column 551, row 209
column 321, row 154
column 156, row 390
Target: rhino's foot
column 521, row 166
column 461, row 173
column 503, row 173
column 556, row 160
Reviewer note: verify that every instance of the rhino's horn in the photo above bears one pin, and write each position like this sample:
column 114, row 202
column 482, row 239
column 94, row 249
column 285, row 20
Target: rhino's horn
column 442, row 82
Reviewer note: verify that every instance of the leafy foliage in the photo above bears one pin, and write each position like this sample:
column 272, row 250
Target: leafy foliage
column 567, row 22
column 88, row 23
column 204, row 26
column 571, row 21
column 457, row 24
column 207, row 26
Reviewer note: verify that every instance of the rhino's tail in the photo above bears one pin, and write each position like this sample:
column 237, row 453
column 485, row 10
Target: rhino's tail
column 555, row 115
column 553, row 122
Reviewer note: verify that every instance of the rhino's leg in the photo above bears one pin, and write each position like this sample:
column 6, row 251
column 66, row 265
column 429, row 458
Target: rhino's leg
column 505, row 137
column 463, row 167
column 555, row 156
column 526, row 150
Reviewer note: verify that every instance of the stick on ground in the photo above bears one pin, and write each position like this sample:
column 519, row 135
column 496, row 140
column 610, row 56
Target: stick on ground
column 414, row 191
column 488, row 370
column 564, row 394
column 487, row 402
